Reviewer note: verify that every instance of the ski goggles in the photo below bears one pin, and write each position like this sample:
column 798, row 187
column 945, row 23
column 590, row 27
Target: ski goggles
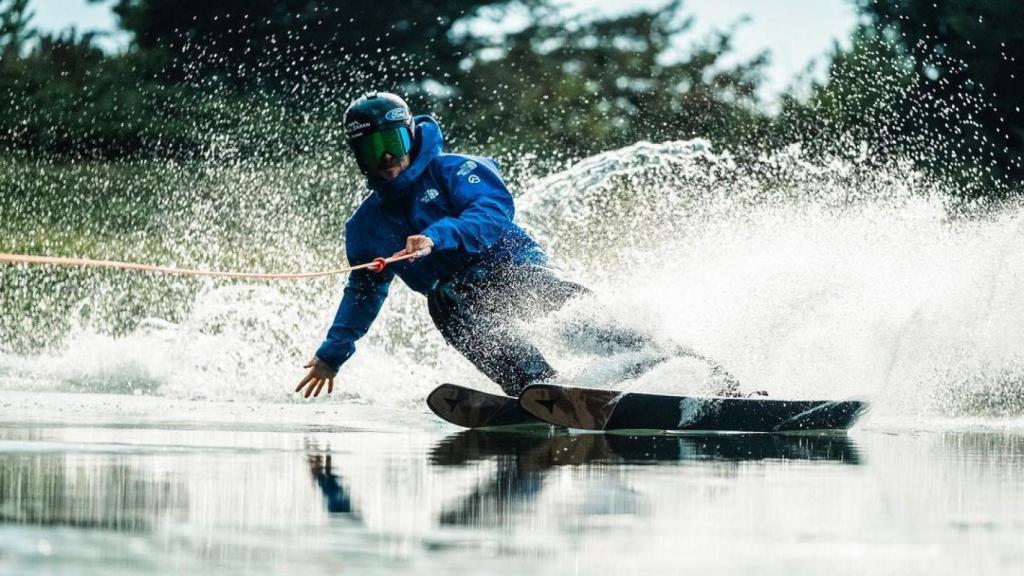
column 368, row 149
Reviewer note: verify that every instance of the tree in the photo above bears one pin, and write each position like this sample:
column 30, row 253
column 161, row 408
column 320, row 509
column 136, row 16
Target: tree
column 969, row 54
column 587, row 85
column 14, row 27
column 933, row 81
column 290, row 41
column 271, row 77
column 67, row 97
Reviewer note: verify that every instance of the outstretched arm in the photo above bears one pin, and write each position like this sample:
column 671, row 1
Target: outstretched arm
column 364, row 295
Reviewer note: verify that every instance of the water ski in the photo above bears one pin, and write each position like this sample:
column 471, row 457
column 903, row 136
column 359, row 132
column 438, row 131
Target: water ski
column 593, row 409
column 471, row 408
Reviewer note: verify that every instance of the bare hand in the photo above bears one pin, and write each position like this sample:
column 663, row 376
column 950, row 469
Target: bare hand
column 414, row 244
column 319, row 374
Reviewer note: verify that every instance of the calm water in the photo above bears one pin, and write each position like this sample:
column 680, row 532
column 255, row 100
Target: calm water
column 95, row 484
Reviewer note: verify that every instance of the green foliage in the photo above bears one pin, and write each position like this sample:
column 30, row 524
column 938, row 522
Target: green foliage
column 14, row 27
column 588, row 85
column 863, row 100
column 223, row 216
column 272, row 78
column 933, row 82
column 967, row 51
column 287, row 41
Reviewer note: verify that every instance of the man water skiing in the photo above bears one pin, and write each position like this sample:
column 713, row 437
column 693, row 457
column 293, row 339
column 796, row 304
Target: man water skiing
column 478, row 269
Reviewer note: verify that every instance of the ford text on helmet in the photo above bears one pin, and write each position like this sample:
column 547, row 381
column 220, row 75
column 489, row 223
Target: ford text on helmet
column 376, row 123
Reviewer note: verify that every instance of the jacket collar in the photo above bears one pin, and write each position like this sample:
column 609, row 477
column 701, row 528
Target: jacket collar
column 428, row 145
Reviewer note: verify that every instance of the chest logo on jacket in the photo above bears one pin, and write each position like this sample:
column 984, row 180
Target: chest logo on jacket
column 429, row 195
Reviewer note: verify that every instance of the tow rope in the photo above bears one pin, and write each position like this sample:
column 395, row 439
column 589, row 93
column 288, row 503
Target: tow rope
column 375, row 265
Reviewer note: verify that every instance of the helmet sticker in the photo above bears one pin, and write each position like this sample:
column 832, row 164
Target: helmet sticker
column 355, row 126
column 396, row 114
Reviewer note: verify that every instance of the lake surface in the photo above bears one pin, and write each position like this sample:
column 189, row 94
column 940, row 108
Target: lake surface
column 113, row 484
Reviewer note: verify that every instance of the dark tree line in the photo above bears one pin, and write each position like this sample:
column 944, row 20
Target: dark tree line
column 967, row 51
column 934, row 81
column 590, row 85
column 271, row 76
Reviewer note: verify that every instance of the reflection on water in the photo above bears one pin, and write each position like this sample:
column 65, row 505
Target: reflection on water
column 108, row 500
column 522, row 459
column 67, row 491
column 336, row 497
column 536, row 451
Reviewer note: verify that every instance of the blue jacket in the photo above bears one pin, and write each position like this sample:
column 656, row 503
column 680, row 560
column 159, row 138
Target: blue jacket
column 460, row 202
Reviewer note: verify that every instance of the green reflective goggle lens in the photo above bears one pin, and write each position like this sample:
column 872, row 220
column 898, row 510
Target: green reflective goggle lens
column 368, row 149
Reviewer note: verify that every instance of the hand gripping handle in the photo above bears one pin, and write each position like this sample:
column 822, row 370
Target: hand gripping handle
column 379, row 263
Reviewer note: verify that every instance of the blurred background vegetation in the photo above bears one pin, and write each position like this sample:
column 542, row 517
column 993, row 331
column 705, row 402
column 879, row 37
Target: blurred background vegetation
column 937, row 83
column 210, row 137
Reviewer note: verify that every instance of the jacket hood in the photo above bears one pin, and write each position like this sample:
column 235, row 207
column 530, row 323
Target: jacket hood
column 428, row 145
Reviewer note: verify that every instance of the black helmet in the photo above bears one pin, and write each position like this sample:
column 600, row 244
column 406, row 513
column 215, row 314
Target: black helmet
column 376, row 123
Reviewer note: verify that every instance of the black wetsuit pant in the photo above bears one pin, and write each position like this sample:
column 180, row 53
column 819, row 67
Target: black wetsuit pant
column 477, row 312
column 477, row 315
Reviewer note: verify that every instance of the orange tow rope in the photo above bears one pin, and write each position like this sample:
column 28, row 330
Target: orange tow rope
column 376, row 265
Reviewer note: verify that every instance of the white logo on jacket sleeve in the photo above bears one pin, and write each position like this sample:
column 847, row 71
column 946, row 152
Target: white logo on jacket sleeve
column 429, row 195
column 473, row 179
column 467, row 167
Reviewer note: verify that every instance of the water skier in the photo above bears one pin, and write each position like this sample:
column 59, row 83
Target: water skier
column 479, row 270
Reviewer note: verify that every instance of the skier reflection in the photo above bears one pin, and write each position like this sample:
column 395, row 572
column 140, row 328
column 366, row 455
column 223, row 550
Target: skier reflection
column 524, row 461
column 336, row 497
